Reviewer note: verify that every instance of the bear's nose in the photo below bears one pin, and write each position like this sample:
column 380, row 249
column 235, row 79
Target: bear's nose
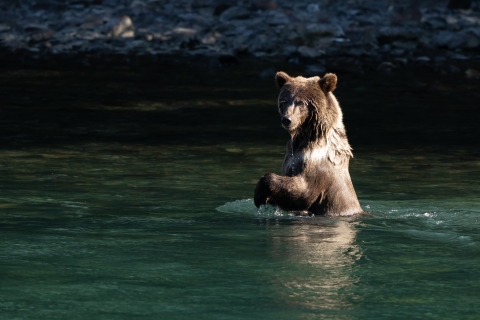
column 286, row 121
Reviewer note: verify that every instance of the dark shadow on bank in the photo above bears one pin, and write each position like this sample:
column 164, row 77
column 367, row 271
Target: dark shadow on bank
column 174, row 104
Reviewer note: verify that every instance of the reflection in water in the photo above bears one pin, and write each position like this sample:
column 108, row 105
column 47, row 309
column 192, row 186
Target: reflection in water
column 318, row 258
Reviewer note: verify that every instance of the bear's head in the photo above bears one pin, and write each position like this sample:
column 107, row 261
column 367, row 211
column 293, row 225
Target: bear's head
column 307, row 106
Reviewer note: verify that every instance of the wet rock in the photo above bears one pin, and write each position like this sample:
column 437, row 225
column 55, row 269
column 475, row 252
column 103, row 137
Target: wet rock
column 397, row 52
column 189, row 44
column 447, row 69
column 472, row 74
column 323, row 30
column 265, row 5
column 93, row 23
column 260, row 54
column 138, row 7
column 436, row 22
column 423, row 59
column 407, row 13
column 361, row 36
column 458, row 56
column 452, row 20
column 308, row 52
column 402, row 61
column 439, row 58
column 128, row 34
column 301, row 30
column 322, row 36
column 455, row 40
column 184, row 32
column 398, row 33
column 276, row 18
column 210, row 38
column 288, row 50
column 386, row 48
column 386, row 67
column 13, row 41
column 475, row 31
column 4, row 27
column 356, row 52
column 468, row 21
column 313, row 8
column 406, row 45
column 259, row 43
column 194, row 17
column 444, row 38
column 122, row 27
column 219, row 9
column 235, row 13
column 35, row 27
column 143, row 34
column 43, row 35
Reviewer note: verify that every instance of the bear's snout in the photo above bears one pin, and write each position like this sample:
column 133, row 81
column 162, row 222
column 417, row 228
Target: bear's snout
column 286, row 121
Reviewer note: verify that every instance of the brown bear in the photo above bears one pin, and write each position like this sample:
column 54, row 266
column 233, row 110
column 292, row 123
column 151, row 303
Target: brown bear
column 315, row 169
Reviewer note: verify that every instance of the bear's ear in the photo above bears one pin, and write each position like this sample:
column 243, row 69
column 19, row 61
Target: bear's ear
column 281, row 78
column 328, row 83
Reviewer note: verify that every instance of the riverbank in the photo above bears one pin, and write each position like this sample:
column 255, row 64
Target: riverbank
column 356, row 37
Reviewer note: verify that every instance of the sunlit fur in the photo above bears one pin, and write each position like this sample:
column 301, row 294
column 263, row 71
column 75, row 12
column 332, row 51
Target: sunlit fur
column 316, row 177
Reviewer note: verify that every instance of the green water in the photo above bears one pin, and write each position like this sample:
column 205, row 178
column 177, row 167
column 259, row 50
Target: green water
column 126, row 194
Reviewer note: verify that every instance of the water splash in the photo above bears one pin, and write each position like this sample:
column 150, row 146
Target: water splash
column 246, row 206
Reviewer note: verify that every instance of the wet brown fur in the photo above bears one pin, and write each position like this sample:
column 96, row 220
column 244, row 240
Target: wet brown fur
column 316, row 179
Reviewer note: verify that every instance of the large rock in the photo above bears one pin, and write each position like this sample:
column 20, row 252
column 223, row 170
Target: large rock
column 42, row 35
column 320, row 34
column 265, row 5
column 276, row 18
column 4, row 27
column 308, row 52
column 138, row 7
column 324, row 30
column 399, row 33
column 457, row 39
column 435, row 22
column 235, row 13
column 121, row 27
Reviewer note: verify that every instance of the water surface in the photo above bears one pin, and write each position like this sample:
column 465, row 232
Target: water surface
column 126, row 194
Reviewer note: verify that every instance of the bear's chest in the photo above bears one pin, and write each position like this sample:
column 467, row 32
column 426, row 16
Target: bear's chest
column 296, row 161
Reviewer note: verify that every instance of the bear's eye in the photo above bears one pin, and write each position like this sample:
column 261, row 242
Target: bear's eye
column 282, row 102
column 300, row 104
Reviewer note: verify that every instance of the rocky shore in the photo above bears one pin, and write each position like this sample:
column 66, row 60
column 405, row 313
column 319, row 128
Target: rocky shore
column 342, row 34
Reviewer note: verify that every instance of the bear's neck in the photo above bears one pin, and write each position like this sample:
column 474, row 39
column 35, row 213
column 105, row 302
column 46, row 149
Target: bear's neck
column 302, row 139
column 332, row 144
column 298, row 141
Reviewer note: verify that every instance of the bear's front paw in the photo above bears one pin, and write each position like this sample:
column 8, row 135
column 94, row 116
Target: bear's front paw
column 262, row 190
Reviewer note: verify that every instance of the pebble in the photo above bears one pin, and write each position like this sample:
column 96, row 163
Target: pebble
column 423, row 58
column 386, row 67
column 308, row 52
column 472, row 74
column 4, row 27
column 235, row 13
column 122, row 27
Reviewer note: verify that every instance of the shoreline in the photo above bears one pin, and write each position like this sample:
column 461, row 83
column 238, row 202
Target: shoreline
column 356, row 37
